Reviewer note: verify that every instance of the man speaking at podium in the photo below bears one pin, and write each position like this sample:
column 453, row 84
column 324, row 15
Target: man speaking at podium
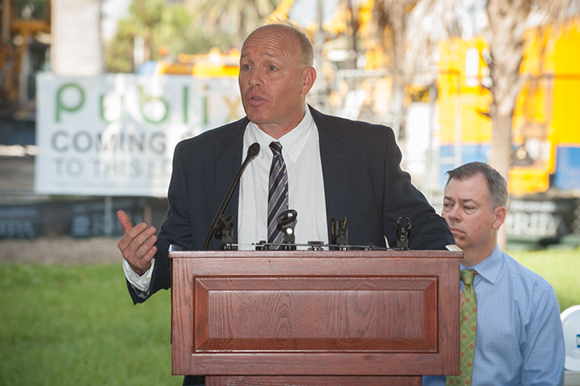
column 326, row 167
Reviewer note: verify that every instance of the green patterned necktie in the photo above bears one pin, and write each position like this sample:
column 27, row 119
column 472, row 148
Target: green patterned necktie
column 468, row 329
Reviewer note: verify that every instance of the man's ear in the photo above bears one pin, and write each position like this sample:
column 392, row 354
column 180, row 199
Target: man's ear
column 499, row 214
column 309, row 76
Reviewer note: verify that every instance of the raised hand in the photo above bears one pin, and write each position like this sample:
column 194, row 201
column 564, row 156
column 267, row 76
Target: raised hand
column 137, row 244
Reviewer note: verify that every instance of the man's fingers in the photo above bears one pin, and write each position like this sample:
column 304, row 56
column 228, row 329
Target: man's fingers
column 124, row 220
column 144, row 245
column 134, row 238
column 146, row 259
column 142, row 264
column 136, row 242
column 142, row 238
column 128, row 227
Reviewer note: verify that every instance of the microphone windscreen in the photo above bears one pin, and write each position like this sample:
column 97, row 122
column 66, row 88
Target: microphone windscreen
column 253, row 151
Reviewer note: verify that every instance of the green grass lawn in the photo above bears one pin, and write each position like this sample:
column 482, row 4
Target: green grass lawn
column 76, row 325
column 560, row 267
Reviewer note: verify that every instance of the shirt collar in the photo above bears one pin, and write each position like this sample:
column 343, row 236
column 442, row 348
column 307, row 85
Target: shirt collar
column 292, row 142
column 490, row 268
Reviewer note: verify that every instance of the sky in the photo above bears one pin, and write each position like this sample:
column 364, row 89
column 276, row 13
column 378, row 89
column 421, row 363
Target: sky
column 304, row 11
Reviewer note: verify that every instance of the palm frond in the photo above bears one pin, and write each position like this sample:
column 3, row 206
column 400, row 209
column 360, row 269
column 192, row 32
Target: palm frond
column 431, row 22
column 234, row 16
column 552, row 11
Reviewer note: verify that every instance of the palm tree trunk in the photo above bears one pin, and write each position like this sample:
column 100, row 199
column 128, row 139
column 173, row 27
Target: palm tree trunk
column 397, row 18
column 500, row 157
column 506, row 48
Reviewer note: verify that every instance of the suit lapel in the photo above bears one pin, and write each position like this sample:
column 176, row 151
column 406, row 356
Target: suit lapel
column 334, row 158
column 227, row 162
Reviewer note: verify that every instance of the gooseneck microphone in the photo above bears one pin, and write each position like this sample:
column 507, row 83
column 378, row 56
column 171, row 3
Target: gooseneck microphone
column 253, row 152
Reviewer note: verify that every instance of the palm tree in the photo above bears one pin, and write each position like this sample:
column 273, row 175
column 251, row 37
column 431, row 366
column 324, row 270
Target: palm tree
column 508, row 21
column 430, row 22
column 146, row 16
column 392, row 24
column 239, row 17
column 389, row 25
column 506, row 24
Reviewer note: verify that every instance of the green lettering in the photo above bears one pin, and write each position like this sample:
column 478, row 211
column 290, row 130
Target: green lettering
column 60, row 106
column 185, row 104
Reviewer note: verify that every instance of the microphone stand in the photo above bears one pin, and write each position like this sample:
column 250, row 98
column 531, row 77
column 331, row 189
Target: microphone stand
column 253, row 152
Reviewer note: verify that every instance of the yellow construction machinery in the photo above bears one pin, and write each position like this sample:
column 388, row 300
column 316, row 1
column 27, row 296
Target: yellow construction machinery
column 25, row 29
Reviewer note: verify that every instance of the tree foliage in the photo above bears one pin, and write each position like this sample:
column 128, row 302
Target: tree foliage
column 237, row 17
column 159, row 25
column 507, row 21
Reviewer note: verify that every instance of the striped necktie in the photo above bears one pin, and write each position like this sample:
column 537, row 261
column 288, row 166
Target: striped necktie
column 277, row 194
column 468, row 331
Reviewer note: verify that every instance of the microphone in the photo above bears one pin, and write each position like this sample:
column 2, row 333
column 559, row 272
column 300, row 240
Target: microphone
column 253, row 152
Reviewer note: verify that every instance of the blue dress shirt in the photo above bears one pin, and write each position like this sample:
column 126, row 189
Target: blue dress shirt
column 519, row 333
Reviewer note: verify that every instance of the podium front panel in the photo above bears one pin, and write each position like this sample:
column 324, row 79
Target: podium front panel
column 315, row 313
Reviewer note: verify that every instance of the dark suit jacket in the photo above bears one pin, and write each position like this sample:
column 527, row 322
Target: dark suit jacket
column 363, row 182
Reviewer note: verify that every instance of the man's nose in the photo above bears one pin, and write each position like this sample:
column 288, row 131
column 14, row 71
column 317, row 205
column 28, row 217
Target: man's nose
column 454, row 214
column 254, row 79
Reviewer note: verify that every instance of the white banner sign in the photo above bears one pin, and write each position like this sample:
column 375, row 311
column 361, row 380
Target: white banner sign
column 114, row 134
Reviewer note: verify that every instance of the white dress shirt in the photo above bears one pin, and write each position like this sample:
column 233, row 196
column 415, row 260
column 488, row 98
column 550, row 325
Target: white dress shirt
column 301, row 153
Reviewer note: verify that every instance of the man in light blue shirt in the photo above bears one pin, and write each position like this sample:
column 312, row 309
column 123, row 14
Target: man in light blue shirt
column 519, row 339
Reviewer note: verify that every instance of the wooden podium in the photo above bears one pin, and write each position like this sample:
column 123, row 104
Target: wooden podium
column 315, row 317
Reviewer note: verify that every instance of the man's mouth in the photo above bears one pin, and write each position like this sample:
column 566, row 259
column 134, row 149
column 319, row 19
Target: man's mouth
column 255, row 100
column 455, row 230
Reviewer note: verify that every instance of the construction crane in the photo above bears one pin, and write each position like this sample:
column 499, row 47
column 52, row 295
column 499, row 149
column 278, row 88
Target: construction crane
column 25, row 38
